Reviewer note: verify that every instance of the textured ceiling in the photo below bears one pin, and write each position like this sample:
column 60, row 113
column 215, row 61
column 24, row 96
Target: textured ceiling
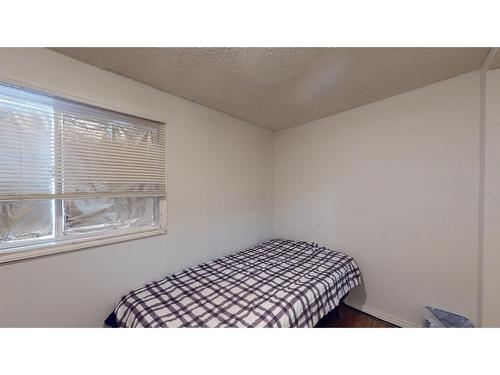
column 281, row 87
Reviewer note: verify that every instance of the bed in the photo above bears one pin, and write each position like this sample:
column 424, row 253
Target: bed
column 279, row 283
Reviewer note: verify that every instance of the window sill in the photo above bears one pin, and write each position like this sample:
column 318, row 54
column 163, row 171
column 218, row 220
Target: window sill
column 35, row 251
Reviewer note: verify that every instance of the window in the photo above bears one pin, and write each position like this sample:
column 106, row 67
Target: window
column 75, row 174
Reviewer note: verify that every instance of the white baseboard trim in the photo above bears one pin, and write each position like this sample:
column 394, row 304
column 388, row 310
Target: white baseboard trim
column 383, row 316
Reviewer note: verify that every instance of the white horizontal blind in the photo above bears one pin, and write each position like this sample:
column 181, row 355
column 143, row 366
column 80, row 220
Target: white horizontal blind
column 55, row 148
column 27, row 144
column 108, row 154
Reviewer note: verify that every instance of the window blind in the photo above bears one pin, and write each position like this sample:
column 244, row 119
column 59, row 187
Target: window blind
column 56, row 148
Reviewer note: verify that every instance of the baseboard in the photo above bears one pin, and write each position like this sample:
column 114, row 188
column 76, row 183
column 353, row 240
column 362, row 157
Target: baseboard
column 383, row 316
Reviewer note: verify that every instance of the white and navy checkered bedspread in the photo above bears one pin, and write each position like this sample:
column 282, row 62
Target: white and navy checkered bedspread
column 279, row 283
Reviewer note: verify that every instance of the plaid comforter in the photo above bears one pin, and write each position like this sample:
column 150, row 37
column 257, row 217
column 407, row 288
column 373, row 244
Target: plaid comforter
column 279, row 283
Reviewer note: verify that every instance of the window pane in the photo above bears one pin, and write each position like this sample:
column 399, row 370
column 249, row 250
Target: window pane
column 96, row 214
column 26, row 143
column 25, row 220
column 136, row 212
column 108, row 152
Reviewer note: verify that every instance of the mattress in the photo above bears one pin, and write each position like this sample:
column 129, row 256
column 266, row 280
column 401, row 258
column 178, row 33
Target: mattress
column 279, row 283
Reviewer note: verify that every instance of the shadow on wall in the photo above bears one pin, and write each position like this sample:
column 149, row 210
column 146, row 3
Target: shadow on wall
column 358, row 294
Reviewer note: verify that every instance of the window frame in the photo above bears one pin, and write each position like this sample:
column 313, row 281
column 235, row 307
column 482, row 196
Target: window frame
column 33, row 248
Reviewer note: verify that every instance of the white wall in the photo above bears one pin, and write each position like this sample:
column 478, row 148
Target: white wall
column 491, row 253
column 395, row 184
column 220, row 198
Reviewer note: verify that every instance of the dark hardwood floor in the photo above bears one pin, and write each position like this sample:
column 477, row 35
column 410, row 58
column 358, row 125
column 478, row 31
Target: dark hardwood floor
column 352, row 318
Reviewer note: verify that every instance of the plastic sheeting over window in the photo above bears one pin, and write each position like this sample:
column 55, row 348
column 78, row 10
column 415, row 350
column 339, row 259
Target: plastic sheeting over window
column 53, row 148
column 23, row 220
column 88, row 215
column 105, row 153
column 73, row 171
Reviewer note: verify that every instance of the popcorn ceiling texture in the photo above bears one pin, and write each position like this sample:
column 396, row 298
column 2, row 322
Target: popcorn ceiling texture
column 281, row 87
